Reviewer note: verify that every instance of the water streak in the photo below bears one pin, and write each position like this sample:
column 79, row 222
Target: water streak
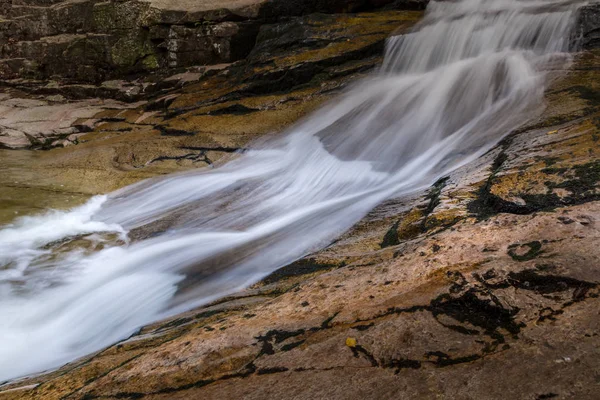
column 470, row 73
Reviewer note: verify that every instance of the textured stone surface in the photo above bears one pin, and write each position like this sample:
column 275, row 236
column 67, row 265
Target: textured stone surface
column 93, row 40
column 314, row 50
column 589, row 25
column 493, row 269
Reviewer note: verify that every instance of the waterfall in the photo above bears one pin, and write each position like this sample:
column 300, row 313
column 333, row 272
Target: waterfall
column 470, row 72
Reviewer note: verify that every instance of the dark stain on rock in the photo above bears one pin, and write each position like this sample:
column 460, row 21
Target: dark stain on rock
column 588, row 94
column 362, row 328
column 291, row 346
column 434, row 195
column 275, row 337
column 477, row 308
column 582, row 188
column 272, row 370
column 402, row 363
column 175, row 323
column 546, row 396
column 327, row 323
column 221, row 149
column 391, row 237
column 301, row 267
column 585, row 181
column 167, row 131
column 207, row 314
column 535, row 249
column 194, row 157
column 442, row 359
column 545, row 284
column 548, row 313
column 358, row 350
column 565, row 220
column 235, row 109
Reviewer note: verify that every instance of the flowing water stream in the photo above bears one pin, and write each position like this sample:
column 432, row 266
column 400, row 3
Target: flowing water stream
column 470, row 73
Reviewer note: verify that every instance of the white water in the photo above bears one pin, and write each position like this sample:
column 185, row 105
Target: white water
column 72, row 283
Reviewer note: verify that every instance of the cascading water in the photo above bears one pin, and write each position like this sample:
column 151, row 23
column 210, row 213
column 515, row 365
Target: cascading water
column 471, row 72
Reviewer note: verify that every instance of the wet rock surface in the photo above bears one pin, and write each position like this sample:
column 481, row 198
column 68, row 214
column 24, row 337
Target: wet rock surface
column 494, row 268
column 589, row 25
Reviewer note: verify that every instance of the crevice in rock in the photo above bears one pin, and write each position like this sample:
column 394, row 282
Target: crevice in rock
column 220, row 149
column 303, row 266
column 392, row 238
column 167, row 131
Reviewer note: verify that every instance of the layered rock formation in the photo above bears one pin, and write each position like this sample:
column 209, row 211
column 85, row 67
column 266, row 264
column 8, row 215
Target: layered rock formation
column 484, row 286
column 94, row 40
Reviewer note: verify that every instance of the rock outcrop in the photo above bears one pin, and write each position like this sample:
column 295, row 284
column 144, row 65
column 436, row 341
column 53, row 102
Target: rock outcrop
column 62, row 57
column 95, row 40
column 589, row 25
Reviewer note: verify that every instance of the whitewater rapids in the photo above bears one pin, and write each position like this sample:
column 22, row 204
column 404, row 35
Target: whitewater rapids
column 471, row 72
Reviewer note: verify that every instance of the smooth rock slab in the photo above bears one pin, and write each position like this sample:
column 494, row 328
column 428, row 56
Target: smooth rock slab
column 31, row 122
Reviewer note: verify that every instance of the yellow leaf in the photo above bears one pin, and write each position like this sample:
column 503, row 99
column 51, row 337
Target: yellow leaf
column 351, row 342
column 551, row 132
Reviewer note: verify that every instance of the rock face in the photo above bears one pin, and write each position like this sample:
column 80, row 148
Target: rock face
column 589, row 25
column 493, row 269
column 57, row 56
column 485, row 286
column 95, row 40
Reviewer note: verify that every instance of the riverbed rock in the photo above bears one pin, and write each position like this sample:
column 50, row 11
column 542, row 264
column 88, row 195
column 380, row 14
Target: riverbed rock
column 483, row 286
column 70, row 49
